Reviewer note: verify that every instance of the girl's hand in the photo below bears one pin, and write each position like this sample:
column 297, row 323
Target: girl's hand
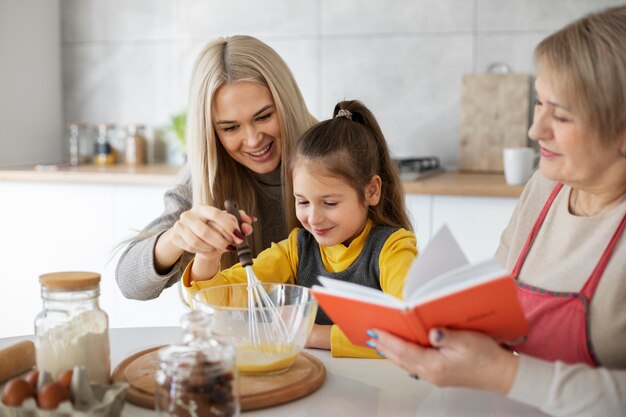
column 319, row 337
column 457, row 358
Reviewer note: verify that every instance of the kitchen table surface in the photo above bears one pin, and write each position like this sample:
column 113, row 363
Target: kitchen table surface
column 353, row 387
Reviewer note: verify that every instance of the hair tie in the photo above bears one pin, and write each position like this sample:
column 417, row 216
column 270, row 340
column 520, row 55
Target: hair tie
column 344, row 113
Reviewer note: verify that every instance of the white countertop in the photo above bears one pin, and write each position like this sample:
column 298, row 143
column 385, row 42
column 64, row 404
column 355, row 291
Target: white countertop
column 353, row 387
column 445, row 183
column 153, row 174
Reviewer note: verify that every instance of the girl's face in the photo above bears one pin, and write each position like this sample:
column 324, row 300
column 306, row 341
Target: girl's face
column 569, row 153
column 245, row 119
column 329, row 208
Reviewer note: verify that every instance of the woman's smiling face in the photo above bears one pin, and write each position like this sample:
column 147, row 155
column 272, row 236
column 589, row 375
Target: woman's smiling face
column 569, row 152
column 247, row 125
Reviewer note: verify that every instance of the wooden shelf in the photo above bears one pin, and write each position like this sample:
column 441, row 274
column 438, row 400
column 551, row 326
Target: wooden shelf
column 464, row 184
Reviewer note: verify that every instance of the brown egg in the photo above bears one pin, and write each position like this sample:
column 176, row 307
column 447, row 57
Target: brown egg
column 32, row 377
column 51, row 395
column 16, row 391
column 65, row 379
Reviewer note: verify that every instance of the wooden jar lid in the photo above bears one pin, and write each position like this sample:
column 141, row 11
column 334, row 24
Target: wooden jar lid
column 69, row 280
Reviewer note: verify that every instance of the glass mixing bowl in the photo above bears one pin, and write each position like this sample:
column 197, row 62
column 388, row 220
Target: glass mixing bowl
column 282, row 332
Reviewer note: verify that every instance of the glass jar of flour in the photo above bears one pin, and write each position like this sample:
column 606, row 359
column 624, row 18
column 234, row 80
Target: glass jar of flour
column 71, row 329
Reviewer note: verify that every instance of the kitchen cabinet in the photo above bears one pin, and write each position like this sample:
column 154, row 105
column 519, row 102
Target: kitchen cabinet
column 475, row 222
column 63, row 227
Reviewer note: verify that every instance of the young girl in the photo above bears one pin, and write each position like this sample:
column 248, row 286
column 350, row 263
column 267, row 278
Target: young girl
column 350, row 202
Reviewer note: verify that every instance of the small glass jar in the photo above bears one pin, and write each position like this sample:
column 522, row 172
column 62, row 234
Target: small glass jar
column 104, row 153
column 135, row 146
column 197, row 377
column 74, row 144
column 80, row 146
column 72, row 330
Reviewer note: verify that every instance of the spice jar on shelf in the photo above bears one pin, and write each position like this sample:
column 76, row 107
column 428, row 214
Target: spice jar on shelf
column 197, row 377
column 78, row 150
column 72, row 330
column 104, row 152
column 135, row 147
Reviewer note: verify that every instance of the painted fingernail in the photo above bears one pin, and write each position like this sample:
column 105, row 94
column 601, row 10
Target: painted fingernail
column 238, row 233
column 231, row 248
column 380, row 353
column 372, row 334
column 438, row 335
column 371, row 344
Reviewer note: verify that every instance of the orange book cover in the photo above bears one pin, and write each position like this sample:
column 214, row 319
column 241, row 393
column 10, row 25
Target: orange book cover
column 480, row 297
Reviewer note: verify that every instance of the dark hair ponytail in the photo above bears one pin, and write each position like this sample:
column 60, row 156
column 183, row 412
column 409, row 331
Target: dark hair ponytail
column 351, row 145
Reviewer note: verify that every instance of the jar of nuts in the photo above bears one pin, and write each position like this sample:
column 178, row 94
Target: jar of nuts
column 197, row 377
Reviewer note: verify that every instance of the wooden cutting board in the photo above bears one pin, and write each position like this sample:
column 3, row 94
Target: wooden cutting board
column 306, row 375
column 494, row 115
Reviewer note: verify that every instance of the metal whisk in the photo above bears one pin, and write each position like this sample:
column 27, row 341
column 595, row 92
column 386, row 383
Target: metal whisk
column 266, row 327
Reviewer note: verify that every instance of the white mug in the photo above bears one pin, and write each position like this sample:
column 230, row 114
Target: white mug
column 519, row 165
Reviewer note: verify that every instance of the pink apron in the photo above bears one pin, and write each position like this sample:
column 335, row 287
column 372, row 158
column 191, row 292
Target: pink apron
column 559, row 321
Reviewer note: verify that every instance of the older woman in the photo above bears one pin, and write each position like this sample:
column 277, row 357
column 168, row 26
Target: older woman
column 565, row 243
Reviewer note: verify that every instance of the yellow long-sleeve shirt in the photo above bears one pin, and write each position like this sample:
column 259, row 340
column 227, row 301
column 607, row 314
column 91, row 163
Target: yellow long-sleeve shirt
column 279, row 263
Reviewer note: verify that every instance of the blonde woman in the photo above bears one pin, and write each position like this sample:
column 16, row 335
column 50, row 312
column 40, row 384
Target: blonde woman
column 565, row 244
column 245, row 111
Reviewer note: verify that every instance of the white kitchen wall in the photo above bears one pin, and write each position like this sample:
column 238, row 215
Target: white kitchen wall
column 130, row 60
column 31, row 102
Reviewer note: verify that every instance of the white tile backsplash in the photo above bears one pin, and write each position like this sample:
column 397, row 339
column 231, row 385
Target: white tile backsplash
column 118, row 20
column 530, row 15
column 127, row 83
column 350, row 17
column 130, row 60
column 212, row 18
column 514, row 50
column 412, row 85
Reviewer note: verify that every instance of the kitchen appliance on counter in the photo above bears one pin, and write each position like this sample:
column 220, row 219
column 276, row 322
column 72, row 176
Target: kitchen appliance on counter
column 412, row 169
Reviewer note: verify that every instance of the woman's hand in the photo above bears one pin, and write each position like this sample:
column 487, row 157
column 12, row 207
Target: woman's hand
column 203, row 230
column 457, row 358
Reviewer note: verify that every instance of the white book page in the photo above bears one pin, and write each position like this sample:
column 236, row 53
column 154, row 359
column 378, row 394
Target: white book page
column 357, row 292
column 442, row 254
column 458, row 279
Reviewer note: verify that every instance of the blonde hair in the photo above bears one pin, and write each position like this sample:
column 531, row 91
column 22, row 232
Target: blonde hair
column 215, row 175
column 586, row 63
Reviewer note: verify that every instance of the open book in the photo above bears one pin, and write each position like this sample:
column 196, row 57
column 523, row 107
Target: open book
column 441, row 290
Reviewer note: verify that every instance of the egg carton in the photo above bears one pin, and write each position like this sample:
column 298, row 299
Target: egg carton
column 88, row 400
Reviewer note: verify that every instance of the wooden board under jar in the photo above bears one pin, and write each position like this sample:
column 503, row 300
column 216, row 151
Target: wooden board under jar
column 305, row 376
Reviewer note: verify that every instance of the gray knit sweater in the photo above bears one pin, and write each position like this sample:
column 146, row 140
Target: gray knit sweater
column 135, row 273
